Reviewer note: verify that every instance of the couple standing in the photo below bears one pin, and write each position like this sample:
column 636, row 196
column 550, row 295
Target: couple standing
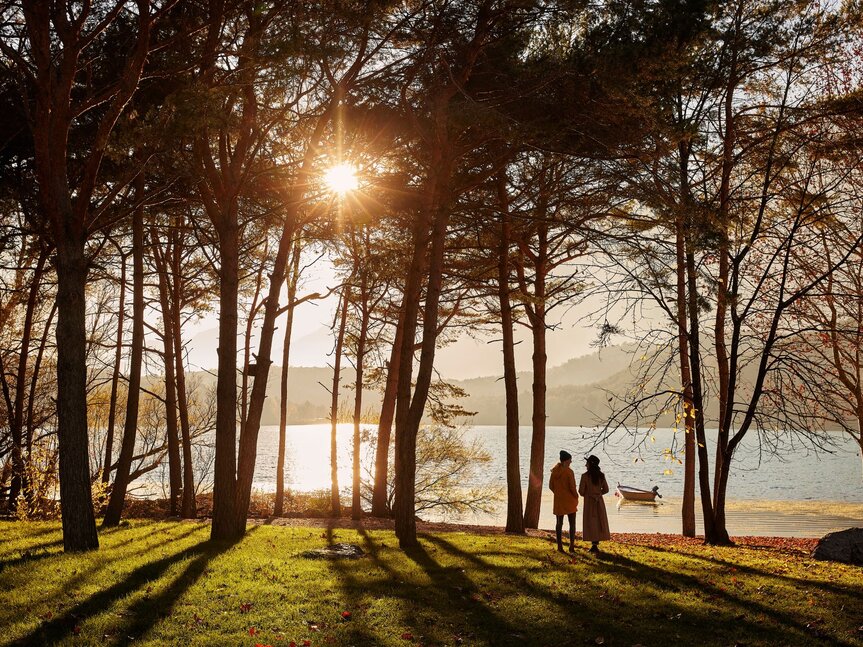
column 591, row 486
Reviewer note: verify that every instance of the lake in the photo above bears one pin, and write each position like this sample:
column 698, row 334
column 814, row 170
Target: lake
column 799, row 493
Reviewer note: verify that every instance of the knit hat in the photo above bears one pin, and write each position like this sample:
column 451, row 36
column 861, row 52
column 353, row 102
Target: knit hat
column 565, row 455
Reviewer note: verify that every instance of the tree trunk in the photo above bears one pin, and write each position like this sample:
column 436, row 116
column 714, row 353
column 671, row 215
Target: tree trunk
column 30, row 423
column 127, row 447
column 405, row 509
column 720, row 532
column 380, row 494
column 225, row 475
column 79, row 522
column 188, row 506
column 115, row 377
column 335, row 503
column 18, row 481
column 175, row 479
column 536, row 316
column 689, row 455
column 514, row 516
column 697, row 396
column 405, row 442
column 356, row 506
column 278, row 507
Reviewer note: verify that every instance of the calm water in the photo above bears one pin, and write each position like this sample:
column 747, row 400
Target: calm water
column 799, row 494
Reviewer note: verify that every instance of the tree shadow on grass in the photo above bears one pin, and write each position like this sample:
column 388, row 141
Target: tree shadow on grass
column 825, row 587
column 740, row 608
column 144, row 613
column 32, row 554
column 653, row 622
column 352, row 590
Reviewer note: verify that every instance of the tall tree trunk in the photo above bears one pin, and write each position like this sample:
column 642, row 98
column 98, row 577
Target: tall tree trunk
column 689, row 455
column 405, row 497
column 252, row 425
column 536, row 316
column 115, row 376
column 380, row 494
column 30, row 423
column 356, row 506
column 225, row 474
column 175, row 479
column 293, row 278
column 79, row 522
column 188, row 507
column 127, row 447
column 514, row 515
column 698, row 397
column 335, row 503
column 18, row 481
column 405, row 441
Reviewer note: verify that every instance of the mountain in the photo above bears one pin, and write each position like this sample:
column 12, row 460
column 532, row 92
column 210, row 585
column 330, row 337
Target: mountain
column 576, row 390
column 308, row 394
column 580, row 392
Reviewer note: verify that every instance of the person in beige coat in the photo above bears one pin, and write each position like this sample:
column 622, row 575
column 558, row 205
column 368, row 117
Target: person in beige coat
column 592, row 486
column 562, row 483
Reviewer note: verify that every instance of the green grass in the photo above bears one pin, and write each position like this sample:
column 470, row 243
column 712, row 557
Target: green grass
column 163, row 583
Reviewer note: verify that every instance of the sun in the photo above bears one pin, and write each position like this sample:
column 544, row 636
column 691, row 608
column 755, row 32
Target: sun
column 341, row 178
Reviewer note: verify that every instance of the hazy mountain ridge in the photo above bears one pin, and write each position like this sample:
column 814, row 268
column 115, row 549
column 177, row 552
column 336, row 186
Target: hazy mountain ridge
column 576, row 392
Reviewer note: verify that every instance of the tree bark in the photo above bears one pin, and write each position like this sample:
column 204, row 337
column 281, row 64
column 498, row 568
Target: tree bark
column 405, row 497
column 175, row 479
column 514, row 515
column 278, row 507
column 115, row 377
column 405, row 441
column 380, row 494
column 335, row 502
column 689, row 454
column 225, row 472
column 127, row 448
column 188, row 507
column 18, row 481
column 356, row 506
column 710, row 536
column 536, row 317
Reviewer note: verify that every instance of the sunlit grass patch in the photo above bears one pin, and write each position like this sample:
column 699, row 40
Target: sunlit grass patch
column 164, row 583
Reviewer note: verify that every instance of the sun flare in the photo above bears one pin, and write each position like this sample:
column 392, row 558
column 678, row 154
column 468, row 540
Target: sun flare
column 341, row 178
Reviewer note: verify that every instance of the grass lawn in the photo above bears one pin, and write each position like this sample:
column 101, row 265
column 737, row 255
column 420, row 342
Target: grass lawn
column 164, row 583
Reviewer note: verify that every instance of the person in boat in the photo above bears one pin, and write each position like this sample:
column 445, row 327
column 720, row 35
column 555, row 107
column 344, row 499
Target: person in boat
column 562, row 483
column 595, row 520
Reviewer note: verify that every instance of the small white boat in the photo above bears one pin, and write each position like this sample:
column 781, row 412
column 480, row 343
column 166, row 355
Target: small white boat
column 636, row 494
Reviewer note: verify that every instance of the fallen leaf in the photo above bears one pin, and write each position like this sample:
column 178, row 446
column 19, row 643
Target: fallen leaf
column 346, row 615
column 76, row 630
column 407, row 636
column 252, row 631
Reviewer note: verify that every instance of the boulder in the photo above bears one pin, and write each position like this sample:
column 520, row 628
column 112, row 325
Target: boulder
column 335, row 551
column 841, row 546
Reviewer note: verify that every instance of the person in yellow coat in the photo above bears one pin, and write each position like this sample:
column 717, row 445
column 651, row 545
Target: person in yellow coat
column 595, row 521
column 562, row 483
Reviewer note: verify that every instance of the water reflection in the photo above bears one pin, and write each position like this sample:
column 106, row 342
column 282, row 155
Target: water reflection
column 798, row 494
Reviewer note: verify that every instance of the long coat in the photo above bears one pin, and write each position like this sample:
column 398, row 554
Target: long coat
column 594, row 516
column 562, row 483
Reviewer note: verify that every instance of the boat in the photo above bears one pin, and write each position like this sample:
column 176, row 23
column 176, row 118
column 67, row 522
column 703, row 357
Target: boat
column 628, row 493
